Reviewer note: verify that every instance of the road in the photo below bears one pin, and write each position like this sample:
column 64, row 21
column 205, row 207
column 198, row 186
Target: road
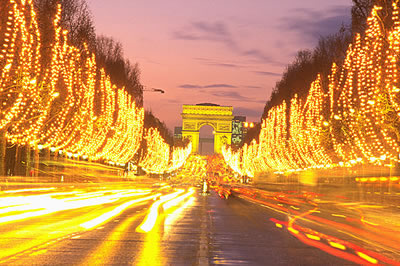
column 126, row 224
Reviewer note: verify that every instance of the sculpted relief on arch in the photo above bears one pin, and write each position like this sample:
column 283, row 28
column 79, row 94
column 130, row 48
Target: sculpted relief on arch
column 212, row 124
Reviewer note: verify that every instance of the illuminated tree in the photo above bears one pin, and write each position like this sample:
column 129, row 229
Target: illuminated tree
column 75, row 17
column 19, row 61
column 368, row 96
column 63, row 101
column 122, row 142
column 158, row 158
column 306, row 127
column 179, row 157
column 355, row 119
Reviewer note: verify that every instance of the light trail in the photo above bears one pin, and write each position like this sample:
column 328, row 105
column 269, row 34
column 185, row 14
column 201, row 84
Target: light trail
column 21, row 200
column 367, row 258
column 313, row 237
column 178, row 200
column 330, row 244
column 151, row 218
column 150, row 253
column 115, row 212
column 35, row 206
column 106, row 251
column 173, row 217
column 28, row 190
column 337, row 247
column 33, row 231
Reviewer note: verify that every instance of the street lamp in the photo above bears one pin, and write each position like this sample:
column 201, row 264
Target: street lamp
column 158, row 90
column 144, row 88
column 248, row 125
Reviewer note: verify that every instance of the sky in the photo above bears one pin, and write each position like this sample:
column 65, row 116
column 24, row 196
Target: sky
column 227, row 52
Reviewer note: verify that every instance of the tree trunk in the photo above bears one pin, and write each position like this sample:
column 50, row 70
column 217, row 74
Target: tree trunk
column 36, row 159
column 17, row 159
column 28, row 160
column 47, row 154
column 3, row 143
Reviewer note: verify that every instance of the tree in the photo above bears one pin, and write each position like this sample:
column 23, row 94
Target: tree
column 75, row 17
column 151, row 121
column 110, row 55
column 47, row 89
column 307, row 65
column 361, row 10
column 359, row 14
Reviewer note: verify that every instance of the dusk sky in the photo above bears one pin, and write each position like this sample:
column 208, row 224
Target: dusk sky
column 228, row 52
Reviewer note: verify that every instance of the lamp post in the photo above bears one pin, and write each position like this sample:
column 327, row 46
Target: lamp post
column 145, row 88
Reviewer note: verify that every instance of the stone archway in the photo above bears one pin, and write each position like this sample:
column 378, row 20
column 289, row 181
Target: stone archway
column 218, row 117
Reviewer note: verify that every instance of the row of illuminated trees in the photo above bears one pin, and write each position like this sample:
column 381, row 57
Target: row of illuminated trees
column 56, row 97
column 352, row 117
column 159, row 157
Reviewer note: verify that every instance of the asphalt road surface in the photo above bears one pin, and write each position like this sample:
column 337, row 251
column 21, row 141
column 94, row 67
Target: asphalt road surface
column 194, row 229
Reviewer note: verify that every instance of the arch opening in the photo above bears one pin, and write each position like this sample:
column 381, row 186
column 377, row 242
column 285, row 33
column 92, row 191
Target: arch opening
column 206, row 140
